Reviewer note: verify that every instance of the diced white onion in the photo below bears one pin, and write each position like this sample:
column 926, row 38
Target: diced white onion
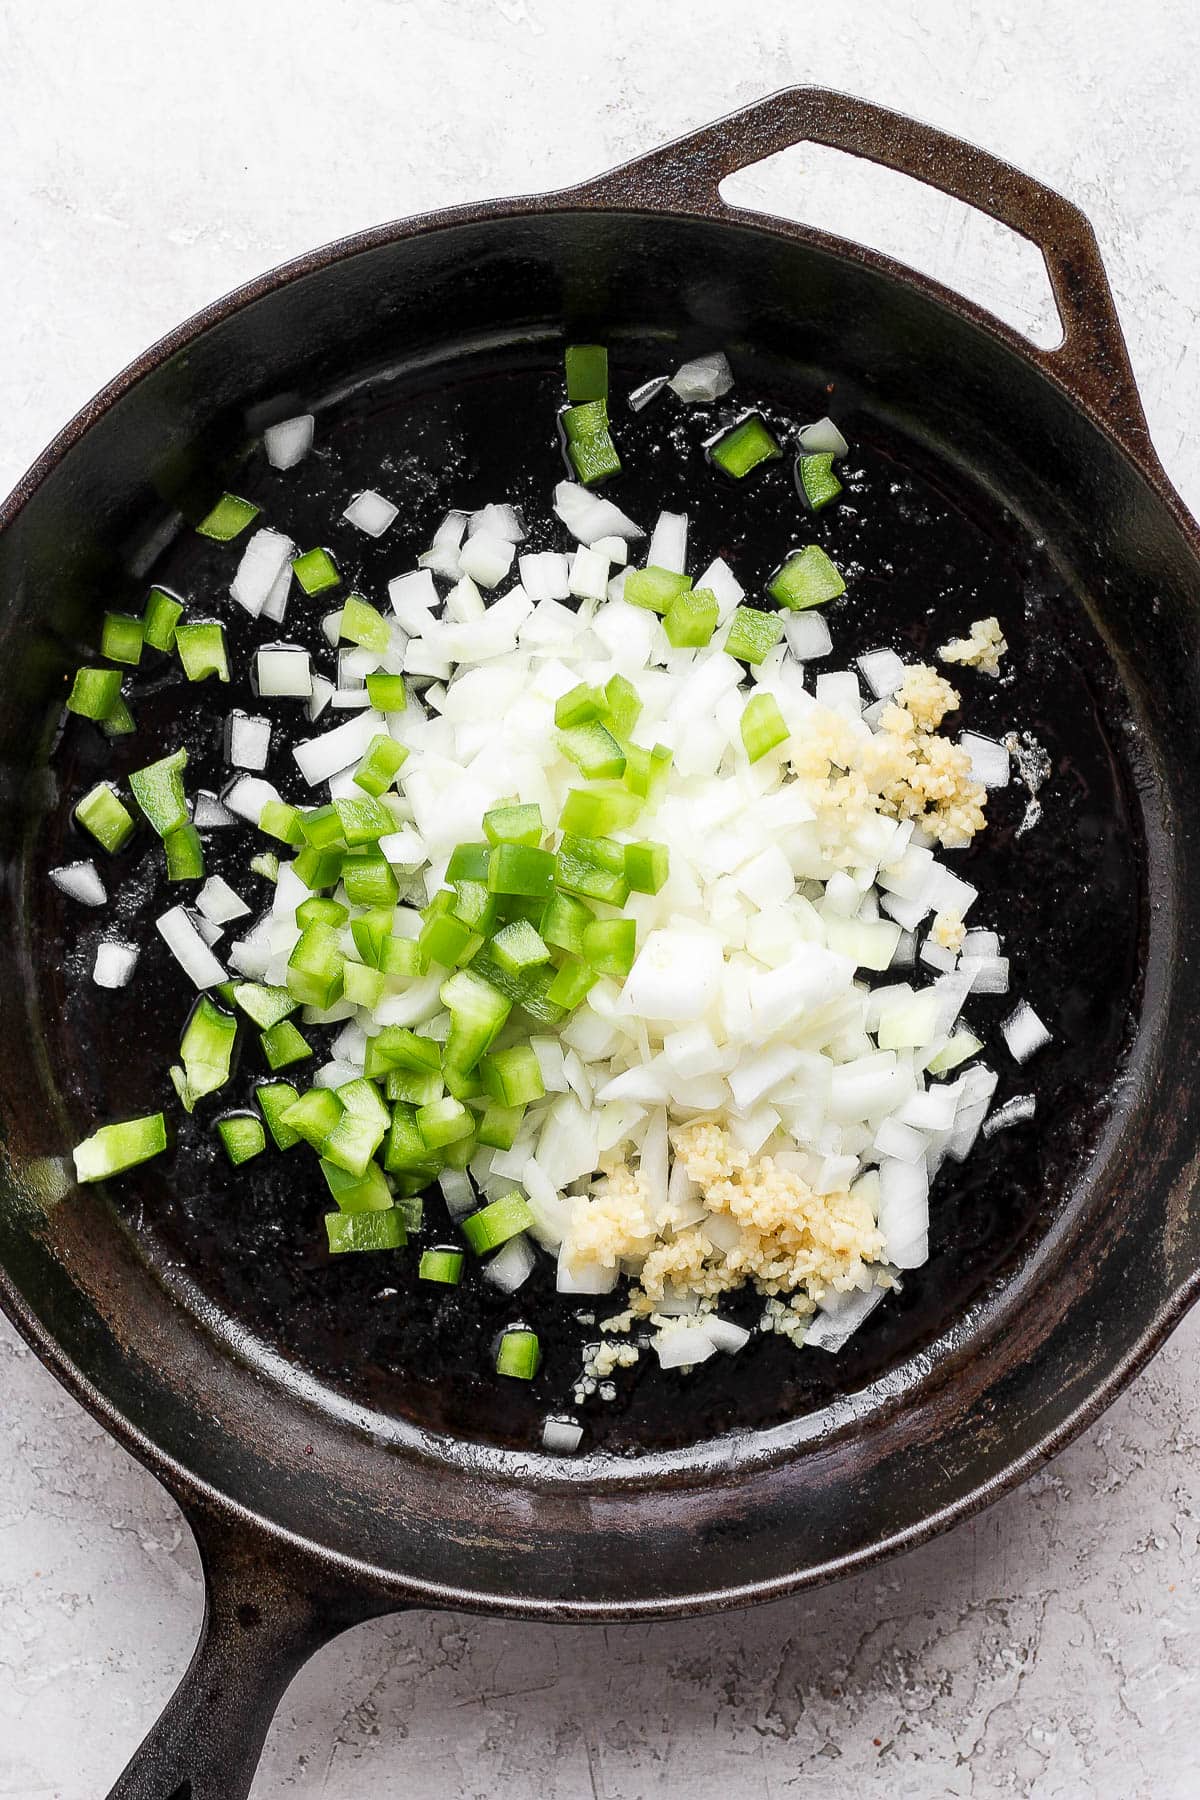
column 1023, row 1032
column 265, row 557
column 808, row 635
column 248, row 795
column 589, row 516
column 486, row 558
column 683, row 1347
column 511, row 1266
column 209, row 814
column 219, row 902
column 724, row 1334
column 499, row 521
column 989, row 759
column 371, row 513
column 80, row 881
column 1016, row 1111
column 247, row 740
column 319, row 699
column 704, row 378
column 882, row 670
column 668, row 543
column 114, row 963
column 648, row 391
column 283, row 671
column 189, row 948
column 588, row 579
column 561, row 1437
column 822, row 437
column 289, row 441
column 830, row 1328
column 320, row 757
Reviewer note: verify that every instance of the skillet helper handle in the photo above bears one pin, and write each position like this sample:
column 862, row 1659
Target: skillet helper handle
column 1092, row 362
column 266, row 1612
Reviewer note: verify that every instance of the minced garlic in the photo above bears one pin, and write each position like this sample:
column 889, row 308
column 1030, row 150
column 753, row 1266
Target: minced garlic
column 982, row 650
column 948, row 931
column 789, row 1239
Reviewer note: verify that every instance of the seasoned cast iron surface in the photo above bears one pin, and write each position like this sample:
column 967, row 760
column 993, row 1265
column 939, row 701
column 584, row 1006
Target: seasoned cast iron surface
column 925, row 552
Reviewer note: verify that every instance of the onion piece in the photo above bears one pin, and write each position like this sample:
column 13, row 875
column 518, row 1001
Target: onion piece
column 486, row 558
column 704, row 378
column 189, row 949
column 511, row 1266
column 80, row 881
column 115, row 963
column 289, row 441
column 264, row 559
column 1016, row 1111
column 283, row 672
column 589, row 516
column 498, row 521
column 219, row 902
column 248, row 795
column 683, row 1347
column 545, row 575
column 561, row 1437
column 1023, row 1032
column 724, row 1334
column 319, row 758
column 808, row 636
column 668, row 543
column 371, row 513
column 830, row 1327
column 822, row 437
column 209, row 814
column 247, row 740
column 319, row 699
column 883, row 671
column 648, row 391
column 989, row 759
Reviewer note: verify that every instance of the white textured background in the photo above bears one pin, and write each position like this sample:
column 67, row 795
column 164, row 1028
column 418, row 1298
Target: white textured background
column 151, row 156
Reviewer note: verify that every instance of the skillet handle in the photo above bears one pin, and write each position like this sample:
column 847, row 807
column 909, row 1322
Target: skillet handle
column 1092, row 362
column 266, row 1611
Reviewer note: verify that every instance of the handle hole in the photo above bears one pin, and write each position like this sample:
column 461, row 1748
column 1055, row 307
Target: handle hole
column 954, row 243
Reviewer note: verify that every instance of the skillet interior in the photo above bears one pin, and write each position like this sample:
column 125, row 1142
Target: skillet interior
column 984, row 458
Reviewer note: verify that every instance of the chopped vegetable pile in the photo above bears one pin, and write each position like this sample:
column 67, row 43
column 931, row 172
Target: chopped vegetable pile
column 615, row 901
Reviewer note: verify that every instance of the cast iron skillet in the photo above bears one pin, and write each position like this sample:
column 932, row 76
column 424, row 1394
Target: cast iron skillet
column 315, row 1509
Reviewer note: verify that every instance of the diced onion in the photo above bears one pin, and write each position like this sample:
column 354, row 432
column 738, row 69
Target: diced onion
column 80, row 881
column 561, row 1437
column 283, row 671
column 648, row 391
column 510, row 1266
column 247, row 796
column 1023, row 1032
column 114, row 963
column 882, row 670
column 247, row 740
column 319, row 758
column 683, row 1347
column 371, row 512
column 219, row 902
column 189, row 948
column 822, row 437
column 705, row 378
column 668, row 543
column 289, row 441
column 589, row 516
column 264, row 559
column 989, row 759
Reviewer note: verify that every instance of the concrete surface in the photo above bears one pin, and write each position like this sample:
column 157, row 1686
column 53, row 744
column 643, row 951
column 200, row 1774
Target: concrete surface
column 152, row 156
